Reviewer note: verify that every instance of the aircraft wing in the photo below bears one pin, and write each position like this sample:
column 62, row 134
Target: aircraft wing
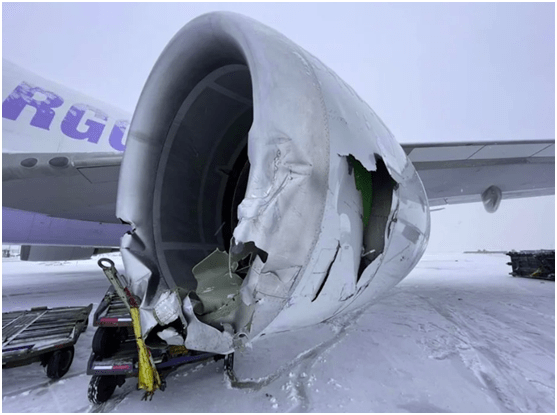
column 460, row 172
column 83, row 186
column 74, row 186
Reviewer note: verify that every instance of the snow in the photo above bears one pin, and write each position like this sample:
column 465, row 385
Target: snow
column 458, row 335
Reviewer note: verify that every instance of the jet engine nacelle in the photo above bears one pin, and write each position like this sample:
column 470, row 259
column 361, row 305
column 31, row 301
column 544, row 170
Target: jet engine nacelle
column 243, row 141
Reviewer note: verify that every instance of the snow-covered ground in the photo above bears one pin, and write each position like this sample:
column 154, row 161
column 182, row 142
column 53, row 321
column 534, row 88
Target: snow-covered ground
column 458, row 335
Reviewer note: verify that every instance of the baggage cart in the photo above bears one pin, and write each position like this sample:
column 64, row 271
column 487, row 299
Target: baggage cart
column 45, row 335
column 115, row 357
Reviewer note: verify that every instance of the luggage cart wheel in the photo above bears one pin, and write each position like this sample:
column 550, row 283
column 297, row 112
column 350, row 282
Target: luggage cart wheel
column 101, row 388
column 105, row 341
column 59, row 363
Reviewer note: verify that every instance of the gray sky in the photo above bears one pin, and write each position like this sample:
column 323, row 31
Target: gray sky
column 433, row 72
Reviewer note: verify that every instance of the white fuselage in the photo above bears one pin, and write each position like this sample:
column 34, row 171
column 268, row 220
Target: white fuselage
column 41, row 116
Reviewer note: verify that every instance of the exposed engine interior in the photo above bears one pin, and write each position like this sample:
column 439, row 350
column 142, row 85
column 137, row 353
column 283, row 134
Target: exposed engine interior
column 382, row 186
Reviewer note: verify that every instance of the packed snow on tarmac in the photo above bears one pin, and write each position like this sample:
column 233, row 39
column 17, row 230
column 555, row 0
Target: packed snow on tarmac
column 457, row 335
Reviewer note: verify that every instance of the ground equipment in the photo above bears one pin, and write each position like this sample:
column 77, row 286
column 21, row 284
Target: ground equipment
column 533, row 264
column 117, row 347
column 45, row 335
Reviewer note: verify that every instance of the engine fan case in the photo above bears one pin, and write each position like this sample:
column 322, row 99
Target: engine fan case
column 301, row 205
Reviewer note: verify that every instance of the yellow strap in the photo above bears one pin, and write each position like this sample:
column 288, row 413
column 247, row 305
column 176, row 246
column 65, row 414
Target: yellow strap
column 149, row 379
column 536, row 272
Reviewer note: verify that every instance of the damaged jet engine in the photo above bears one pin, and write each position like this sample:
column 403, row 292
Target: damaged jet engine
column 264, row 194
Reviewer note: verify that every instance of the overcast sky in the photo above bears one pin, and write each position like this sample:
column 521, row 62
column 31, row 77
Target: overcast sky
column 433, row 72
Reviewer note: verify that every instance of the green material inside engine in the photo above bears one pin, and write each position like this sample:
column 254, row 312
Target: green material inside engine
column 363, row 180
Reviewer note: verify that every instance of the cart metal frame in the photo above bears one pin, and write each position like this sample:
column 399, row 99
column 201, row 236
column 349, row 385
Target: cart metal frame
column 110, row 371
column 35, row 335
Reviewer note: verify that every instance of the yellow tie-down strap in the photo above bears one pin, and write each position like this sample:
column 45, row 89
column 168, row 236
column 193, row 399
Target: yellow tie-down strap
column 149, row 379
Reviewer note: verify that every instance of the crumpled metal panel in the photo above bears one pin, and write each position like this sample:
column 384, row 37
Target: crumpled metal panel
column 301, row 206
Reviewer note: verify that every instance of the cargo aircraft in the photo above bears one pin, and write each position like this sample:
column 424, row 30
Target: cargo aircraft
column 252, row 192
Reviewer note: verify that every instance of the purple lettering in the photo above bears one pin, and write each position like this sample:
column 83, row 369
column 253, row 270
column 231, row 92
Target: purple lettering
column 117, row 134
column 74, row 116
column 24, row 95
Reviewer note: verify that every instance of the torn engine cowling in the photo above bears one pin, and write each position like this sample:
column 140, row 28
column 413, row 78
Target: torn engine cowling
column 244, row 142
